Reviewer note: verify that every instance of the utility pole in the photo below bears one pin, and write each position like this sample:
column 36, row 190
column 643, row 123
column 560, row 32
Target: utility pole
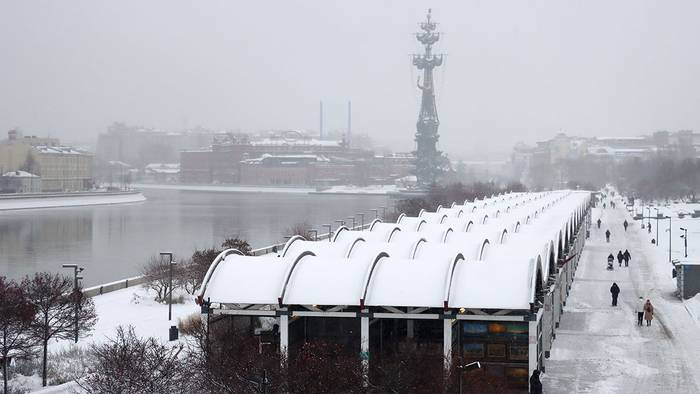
column 657, row 226
column 76, row 278
column 320, row 120
column 669, row 237
column 349, row 137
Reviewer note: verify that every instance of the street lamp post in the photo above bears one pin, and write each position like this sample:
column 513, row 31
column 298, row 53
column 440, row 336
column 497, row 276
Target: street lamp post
column 669, row 236
column 340, row 222
column 465, row 368
column 383, row 213
column 170, row 286
column 330, row 230
column 649, row 216
column 353, row 221
column 685, row 241
column 657, row 226
column 76, row 278
column 362, row 220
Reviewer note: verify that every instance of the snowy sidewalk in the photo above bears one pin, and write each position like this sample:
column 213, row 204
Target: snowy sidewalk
column 599, row 348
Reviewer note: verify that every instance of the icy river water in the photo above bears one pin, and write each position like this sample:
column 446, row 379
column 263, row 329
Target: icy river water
column 113, row 242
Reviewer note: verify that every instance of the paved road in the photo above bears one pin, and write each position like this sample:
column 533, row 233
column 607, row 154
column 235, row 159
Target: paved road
column 599, row 348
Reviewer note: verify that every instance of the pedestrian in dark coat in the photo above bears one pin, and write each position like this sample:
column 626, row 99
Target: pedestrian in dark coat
column 625, row 224
column 627, row 257
column 640, row 310
column 649, row 228
column 620, row 257
column 607, row 235
column 614, row 290
column 535, row 383
column 599, row 223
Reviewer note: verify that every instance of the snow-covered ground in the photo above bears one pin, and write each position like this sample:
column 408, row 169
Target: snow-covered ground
column 69, row 201
column 230, row 189
column 132, row 306
column 599, row 348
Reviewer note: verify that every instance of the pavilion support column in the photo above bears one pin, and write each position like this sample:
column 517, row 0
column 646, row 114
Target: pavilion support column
column 409, row 329
column 364, row 346
column 447, row 342
column 284, row 337
column 532, row 345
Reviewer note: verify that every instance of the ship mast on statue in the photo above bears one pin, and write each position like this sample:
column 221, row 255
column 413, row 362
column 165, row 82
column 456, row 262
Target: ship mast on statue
column 429, row 161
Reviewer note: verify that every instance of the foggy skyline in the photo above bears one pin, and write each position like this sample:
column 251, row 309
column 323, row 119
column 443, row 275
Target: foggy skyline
column 515, row 71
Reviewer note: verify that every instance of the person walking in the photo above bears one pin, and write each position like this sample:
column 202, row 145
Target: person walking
column 620, row 257
column 625, row 224
column 648, row 312
column 535, row 383
column 627, row 256
column 599, row 222
column 611, row 259
column 649, row 228
column 607, row 235
column 614, row 290
column 639, row 308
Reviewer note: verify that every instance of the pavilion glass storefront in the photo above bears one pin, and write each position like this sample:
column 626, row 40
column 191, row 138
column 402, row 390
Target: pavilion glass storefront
column 501, row 347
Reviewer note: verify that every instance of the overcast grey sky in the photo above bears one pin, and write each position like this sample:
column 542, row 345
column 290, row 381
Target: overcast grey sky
column 516, row 70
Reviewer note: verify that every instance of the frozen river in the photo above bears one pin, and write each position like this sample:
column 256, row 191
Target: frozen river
column 112, row 242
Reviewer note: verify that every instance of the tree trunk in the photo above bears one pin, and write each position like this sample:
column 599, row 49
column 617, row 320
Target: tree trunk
column 4, row 374
column 4, row 361
column 43, row 374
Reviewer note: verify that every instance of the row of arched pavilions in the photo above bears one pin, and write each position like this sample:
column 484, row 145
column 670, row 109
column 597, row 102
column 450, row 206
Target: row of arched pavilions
column 507, row 258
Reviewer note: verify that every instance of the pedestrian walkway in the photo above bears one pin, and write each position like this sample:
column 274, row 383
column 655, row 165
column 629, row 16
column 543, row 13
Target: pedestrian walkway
column 599, row 348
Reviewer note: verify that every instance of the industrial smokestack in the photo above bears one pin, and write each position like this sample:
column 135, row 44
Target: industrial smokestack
column 320, row 120
column 349, row 121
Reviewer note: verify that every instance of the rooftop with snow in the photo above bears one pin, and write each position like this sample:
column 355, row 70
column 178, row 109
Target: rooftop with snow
column 494, row 253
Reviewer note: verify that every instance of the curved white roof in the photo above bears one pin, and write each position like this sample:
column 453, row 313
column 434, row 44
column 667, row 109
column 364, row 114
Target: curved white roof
column 346, row 237
column 481, row 284
column 297, row 245
column 414, row 263
column 411, row 222
column 404, row 282
column 433, row 217
column 248, row 279
column 329, row 281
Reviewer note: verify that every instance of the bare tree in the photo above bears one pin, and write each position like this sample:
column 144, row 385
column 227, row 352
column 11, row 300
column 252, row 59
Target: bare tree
column 130, row 364
column 301, row 229
column 54, row 299
column 191, row 273
column 16, row 316
column 237, row 243
column 157, row 275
